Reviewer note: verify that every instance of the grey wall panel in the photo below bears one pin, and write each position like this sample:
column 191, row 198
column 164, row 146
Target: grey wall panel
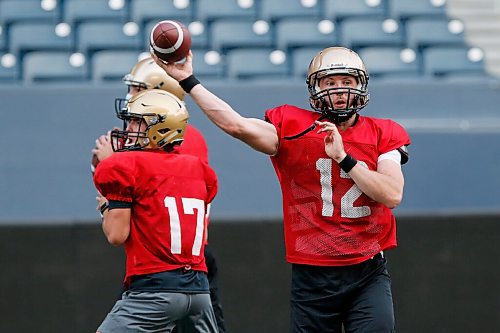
column 49, row 131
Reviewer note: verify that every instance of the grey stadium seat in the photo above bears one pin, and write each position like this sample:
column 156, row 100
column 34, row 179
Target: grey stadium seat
column 111, row 66
column 254, row 64
column 228, row 34
column 51, row 67
column 387, row 62
column 95, row 36
column 22, row 38
column 291, row 33
column 451, row 61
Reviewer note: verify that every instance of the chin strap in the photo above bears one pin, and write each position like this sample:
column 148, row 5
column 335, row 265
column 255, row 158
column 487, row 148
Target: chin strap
column 307, row 130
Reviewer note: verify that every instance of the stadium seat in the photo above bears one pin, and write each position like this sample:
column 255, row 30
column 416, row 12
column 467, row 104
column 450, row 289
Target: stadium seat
column 301, row 57
column 451, row 61
column 76, row 11
column 3, row 39
column 356, row 33
column 95, row 36
column 22, row 39
column 7, row 74
column 407, row 9
column 51, row 67
column 254, row 64
column 339, row 10
column 274, row 10
column 111, row 66
column 142, row 11
column 228, row 34
column 388, row 62
column 303, row 32
column 208, row 10
column 15, row 10
column 418, row 36
column 207, row 70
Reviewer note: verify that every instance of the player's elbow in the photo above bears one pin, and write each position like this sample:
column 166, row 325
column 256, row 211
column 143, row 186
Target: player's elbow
column 394, row 200
column 116, row 239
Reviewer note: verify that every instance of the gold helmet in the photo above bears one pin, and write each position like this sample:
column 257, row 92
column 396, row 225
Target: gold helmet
column 335, row 61
column 164, row 115
column 146, row 74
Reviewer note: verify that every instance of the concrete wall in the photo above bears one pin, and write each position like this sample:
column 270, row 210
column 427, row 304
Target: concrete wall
column 48, row 133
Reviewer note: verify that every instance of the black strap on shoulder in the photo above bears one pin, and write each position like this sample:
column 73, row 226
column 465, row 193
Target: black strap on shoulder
column 307, row 130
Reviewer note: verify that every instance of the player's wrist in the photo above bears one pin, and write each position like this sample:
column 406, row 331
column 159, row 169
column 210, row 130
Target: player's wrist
column 347, row 163
column 103, row 207
column 189, row 83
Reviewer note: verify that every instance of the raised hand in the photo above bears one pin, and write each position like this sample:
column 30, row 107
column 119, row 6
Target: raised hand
column 334, row 146
column 177, row 70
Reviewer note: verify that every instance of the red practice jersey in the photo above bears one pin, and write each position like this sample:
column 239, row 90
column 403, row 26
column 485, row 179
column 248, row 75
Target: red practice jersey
column 194, row 144
column 169, row 194
column 328, row 221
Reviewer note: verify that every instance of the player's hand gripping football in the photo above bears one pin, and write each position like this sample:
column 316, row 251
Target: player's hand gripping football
column 334, row 146
column 103, row 148
column 177, row 70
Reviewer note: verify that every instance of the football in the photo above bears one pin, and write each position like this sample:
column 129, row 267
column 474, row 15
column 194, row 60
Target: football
column 94, row 163
column 170, row 41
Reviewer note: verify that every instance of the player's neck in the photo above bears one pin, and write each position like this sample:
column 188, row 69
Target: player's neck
column 348, row 123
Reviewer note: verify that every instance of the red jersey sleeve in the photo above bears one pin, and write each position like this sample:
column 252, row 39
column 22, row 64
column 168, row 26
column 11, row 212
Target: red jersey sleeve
column 393, row 136
column 114, row 178
column 275, row 117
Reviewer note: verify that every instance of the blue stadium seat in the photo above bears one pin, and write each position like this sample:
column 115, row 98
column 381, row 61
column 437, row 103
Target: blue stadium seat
column 407, row 9
column 95, row 36
column 111, row 66
column 419, row 36
column 206, row 70
column 302, row 32
column 8, row 74
column 301, row 58
column 3, row 39
column 228, row 34
column 25, row 37
column 357, row 33
column 387, row 62
column 46, row 66
column 339, row 10
column 254, row 64
column 207, row 10
column 451, row 61
column 76, row 11
column 274, row 10
column 142, row 11
column 15, row 10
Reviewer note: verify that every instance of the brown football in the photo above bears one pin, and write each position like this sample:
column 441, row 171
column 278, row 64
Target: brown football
column 170, row 41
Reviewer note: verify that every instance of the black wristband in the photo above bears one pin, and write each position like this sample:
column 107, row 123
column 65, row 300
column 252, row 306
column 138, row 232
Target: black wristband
column 348, row 163
column 188, row 83
column 103, row 208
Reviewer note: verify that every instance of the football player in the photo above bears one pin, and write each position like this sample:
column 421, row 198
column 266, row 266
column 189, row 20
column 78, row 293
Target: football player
column 154, row 203
column 146, row 74
column 339, row 184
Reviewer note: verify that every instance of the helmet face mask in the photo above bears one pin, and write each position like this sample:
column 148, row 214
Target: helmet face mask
column 337, row 61
column 161, row 120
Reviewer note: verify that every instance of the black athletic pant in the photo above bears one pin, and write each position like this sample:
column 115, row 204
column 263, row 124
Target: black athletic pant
column 358, row 297
column 214, row 289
